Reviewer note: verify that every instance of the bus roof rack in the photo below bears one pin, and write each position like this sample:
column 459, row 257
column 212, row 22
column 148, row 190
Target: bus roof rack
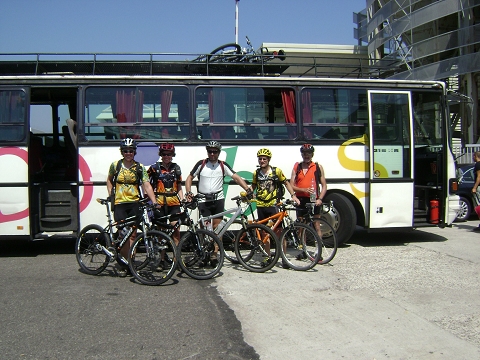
column 146, row 64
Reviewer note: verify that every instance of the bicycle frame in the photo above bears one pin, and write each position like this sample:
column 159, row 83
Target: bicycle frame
column 237, row 213
column 144, row 220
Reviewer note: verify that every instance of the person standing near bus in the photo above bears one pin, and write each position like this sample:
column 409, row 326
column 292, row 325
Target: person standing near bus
column 268, row 182
column 210, row 173
column 166, row 179
column 126, row 178
column 305, row 180
column 476, row 185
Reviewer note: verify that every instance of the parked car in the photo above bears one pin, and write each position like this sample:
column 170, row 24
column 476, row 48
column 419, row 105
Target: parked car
column 465, row 178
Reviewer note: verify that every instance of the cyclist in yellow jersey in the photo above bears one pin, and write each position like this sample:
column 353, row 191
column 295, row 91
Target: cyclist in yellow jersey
column 125, row 178
column 267, row 183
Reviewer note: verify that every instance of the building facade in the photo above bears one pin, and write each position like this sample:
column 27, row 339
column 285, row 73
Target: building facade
column 428, row 40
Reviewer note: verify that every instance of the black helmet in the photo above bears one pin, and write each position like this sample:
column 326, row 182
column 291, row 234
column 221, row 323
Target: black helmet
column 307, row 147
column 214, row 144
column 128, row 143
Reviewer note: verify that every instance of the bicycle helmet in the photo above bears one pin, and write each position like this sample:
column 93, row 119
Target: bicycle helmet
column 128, row 143
column 214, row 144
column 307, row 147
column 166, row 147
column 264, row 152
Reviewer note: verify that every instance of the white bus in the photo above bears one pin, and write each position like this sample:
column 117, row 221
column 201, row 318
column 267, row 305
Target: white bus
column 385, row 145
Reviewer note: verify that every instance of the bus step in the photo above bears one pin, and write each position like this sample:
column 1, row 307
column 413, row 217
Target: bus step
column 56, row 219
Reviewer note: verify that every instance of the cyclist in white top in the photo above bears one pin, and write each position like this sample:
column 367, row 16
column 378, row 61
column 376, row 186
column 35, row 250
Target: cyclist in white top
column 210, row 173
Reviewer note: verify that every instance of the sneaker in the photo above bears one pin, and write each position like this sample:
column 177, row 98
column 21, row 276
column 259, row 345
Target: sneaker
column 301, row 256
column 213, row 260
column 164, row 265
column 168, row 260
column 124, row 272
column 477, row 228
column 266, row 261
column 285, row 265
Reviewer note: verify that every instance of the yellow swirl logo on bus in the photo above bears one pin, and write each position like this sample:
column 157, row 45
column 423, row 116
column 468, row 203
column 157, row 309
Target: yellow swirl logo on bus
column 379, row 170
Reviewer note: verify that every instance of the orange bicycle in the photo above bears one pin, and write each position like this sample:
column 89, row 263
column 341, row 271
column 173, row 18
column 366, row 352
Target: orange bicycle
column 302, row 246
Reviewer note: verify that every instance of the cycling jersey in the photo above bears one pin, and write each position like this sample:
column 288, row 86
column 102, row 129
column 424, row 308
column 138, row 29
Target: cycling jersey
column 210, row 178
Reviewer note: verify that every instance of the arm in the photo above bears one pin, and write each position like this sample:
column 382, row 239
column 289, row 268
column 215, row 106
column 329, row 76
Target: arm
column 109, row 184
column 291, row 191
column 147, row 188
column 188, row 187
column 323, row 183
column 180, row 191
column 242, row 183
column 477, row 182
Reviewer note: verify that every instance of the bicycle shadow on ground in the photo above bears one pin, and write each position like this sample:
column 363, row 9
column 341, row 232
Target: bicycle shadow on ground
column 27, row 248
column 392, row 237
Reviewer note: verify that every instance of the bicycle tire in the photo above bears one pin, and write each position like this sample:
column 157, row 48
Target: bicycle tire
column 250, row 250
column 218, row 54
column 196, row 251
column 228, row 241
column 301, row 246
column 329, row 240
column 90, row 257
column 156, row 265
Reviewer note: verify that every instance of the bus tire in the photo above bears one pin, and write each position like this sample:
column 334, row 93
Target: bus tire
column 343, row 217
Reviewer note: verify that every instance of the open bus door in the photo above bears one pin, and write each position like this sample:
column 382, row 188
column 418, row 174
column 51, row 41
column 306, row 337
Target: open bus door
column 53, row 163
column 391, row 183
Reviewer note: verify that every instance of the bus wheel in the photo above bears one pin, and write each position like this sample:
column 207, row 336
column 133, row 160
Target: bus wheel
column 342, row 217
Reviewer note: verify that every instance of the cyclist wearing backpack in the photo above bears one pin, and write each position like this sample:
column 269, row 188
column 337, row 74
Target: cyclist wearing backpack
column 126, row 178
column 210, row 173
column 268, row 181
column 166, row 179
column 305, row 179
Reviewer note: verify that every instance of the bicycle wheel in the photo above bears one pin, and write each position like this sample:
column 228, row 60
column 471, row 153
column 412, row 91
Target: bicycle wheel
column 301, row 246
column 88, row 249
column 251, row 248
column 228, row 240
column 152, row 258
column 328, row 241
column 225, row 53
column 200, row 254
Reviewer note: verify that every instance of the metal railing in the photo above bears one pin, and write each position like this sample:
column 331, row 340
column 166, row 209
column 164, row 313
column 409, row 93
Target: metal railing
column 464, row 154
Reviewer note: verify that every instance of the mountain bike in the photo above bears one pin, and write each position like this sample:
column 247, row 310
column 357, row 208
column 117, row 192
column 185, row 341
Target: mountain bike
column 329, row 236
column 196, row 248
column 97, row 246
column 259, row 248
column 234, row 53
column 302, row 247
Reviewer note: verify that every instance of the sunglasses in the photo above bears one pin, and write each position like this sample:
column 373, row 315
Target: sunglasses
column 213, row 151
column 263, row 159
column 166, row 154
column 128, row 151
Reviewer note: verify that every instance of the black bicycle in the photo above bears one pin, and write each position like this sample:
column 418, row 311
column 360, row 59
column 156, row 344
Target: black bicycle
column 200, row 252
column 234, row 53
column 97, row 246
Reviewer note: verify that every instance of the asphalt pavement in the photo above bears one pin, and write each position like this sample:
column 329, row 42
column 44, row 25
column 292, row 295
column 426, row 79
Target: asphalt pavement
column 388, row 295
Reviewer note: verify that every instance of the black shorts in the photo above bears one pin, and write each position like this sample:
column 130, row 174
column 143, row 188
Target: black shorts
column 302, row 209
column 211, row 207
column 265, row 212
column 123, row 211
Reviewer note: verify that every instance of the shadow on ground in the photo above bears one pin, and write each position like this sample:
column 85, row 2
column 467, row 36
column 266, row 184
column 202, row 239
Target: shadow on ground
column 392, row 237
column 11, row 248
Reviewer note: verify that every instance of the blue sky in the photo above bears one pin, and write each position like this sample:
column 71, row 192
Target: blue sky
column 169, row 26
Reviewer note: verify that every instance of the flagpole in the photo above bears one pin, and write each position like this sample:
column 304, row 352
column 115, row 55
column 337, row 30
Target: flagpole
column 236, row 21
